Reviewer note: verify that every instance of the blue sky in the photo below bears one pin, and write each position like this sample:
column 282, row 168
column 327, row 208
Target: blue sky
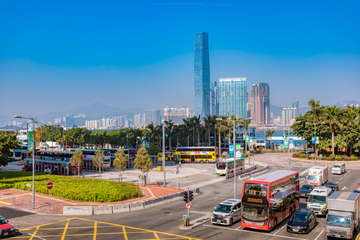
column 58, row 55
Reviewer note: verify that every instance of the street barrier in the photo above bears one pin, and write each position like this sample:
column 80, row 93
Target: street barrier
column 137, row 206
column 159, row 201
column 149, row 203
column 121, row 208
column 265, row 167
column 78, row 210
column 231, row 175
column 103, row 210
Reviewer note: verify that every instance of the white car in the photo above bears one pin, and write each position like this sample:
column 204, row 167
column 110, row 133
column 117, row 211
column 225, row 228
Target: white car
column 47, row 170
column 227, row 212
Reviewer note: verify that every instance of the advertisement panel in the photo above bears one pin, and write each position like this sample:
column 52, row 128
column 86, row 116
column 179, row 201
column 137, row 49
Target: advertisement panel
column 37, row 139
column 30, row 140
column 231, row 150
column 238, row 151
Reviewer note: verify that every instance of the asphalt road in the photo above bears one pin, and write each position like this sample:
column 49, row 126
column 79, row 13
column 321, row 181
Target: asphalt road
column 158, row 222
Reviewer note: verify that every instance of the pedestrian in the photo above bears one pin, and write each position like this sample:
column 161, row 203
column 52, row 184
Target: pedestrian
column 179, row 163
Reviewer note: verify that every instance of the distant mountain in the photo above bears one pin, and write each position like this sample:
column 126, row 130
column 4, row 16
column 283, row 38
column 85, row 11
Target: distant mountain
column 343, row 103
column 95, row 110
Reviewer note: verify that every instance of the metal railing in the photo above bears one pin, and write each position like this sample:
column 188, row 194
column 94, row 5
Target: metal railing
column 45, row 207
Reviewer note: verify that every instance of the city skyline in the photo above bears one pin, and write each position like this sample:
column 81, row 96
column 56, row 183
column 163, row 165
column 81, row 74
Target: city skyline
column 302, row 58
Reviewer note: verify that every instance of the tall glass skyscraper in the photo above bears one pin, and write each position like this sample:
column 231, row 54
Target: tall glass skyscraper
column 260, row 103
column 202, row 75
column 233, row 97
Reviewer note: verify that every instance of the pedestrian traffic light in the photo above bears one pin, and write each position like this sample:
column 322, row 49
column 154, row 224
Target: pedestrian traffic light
column 186, row 197
column 191, row 196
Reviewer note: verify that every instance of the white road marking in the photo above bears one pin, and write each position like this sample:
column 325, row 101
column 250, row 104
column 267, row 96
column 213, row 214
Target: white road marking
column 216, row 198
column 261, row 233
column 37, row 236
column 319, row 234
column 279, row 229
column 200, row 212
column 344, row 188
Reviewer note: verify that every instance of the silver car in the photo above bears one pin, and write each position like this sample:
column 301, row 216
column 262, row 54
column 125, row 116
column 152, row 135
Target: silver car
column 227, row 212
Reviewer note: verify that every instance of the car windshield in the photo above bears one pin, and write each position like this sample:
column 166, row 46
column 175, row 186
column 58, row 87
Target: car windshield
column 314, row 177
column 317, row 199
column 299, row 217
column 255, row 213
column 336, row 166
column 307, row 187
column 338, row 220
column 2, row 220
column 223, row 208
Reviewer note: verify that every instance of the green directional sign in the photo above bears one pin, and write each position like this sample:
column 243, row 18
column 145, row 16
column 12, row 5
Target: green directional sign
column 286, row 142
column 30, row 140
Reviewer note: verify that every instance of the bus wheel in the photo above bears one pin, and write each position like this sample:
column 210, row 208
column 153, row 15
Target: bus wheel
column 201, row 161
column 207, row 161
column 275, row 223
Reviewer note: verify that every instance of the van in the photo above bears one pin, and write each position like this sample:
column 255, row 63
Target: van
column 318, row 199
column 338, row 168
column 227, row 212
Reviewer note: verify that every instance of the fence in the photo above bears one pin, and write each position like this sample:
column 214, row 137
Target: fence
column 44, row 207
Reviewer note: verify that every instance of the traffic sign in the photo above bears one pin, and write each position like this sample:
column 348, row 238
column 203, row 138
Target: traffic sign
column 49, row 185
column 184, row 217
column 188, row 205
column 28, row 185
column 312, row 155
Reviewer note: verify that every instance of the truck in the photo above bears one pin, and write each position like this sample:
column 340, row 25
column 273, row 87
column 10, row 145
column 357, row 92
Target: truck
column 343, row 215
column 318, row 175
column 318, row 200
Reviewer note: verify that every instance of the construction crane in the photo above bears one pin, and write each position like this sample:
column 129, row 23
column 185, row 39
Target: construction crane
column 167, row 105
column 182, row 106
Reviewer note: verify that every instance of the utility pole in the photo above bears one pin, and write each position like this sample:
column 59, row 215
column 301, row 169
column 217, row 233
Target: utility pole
column 163, row 155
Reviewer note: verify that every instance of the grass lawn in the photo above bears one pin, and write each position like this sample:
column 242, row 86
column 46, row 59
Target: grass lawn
column 73, row 188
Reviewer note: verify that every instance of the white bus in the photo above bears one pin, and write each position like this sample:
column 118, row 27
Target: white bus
column 89, row 155
column 227, row 166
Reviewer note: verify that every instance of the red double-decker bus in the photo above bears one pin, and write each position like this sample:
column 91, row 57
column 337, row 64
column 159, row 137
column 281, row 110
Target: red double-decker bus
column 269, row 199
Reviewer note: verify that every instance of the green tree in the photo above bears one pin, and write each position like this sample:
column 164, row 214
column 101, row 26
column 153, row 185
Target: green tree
column 154, row 150
column 221, row 126
column 207, row 123
column 77, row 160
column 187, row 126
column 143, row 162
column 169, row 125
column 120, row 162
column 98, row 160
column 7, row 142
column 331, row 118
column 269, row 133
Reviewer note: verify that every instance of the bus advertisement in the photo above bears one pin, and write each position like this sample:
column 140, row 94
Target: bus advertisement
column 89, row 155
column 196, row 154
column 269, row 199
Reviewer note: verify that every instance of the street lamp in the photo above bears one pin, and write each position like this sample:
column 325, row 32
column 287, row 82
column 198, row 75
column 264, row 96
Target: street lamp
column 234, row 142
column 315, row 135
column 33, row 159
column 163, row 148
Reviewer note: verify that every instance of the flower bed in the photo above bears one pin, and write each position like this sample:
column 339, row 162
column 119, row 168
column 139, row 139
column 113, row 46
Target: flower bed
column 73, row 188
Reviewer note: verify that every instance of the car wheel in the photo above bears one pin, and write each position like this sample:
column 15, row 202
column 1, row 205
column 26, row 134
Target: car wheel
column 231, row 222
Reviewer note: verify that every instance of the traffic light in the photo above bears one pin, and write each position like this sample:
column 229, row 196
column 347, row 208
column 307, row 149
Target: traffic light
column 191, row 196
column 186, row 197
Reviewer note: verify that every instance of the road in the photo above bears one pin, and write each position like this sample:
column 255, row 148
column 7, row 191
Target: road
column 164, row 221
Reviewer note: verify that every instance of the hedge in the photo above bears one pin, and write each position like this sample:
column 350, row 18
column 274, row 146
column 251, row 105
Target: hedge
column 302, row 155
column 338, row 158
column 73, row 188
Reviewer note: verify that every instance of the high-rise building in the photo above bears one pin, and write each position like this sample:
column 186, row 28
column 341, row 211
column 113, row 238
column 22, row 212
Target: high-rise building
column 176, row 114
column 233, row 97
column 152, row 116
column 288, row 116
column 260, row 103
column 202, row 75
column 214, row 99
column 137, row 119
column 296, row 105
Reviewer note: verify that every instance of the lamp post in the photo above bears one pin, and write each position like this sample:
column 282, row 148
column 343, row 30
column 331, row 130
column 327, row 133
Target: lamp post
column 52, row 138
column 234, row 143
column 33, row 159
column 315, row 135
column 163, row 155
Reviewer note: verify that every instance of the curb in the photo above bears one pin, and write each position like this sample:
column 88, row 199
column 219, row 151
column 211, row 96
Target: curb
column 320, row 161
column 196, row 222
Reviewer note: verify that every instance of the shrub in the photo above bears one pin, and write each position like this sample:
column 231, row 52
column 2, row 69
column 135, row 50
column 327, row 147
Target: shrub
column 302, row 155
column 338, row 158
column 323, row 158
column 354, row 158
column 332, row 155
column 296, row 155
column 78, row 189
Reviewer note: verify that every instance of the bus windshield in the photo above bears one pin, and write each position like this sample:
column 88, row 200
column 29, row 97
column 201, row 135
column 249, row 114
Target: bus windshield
column 221, row 165
column 317, row 199
column 256, row 189
column 255, row 213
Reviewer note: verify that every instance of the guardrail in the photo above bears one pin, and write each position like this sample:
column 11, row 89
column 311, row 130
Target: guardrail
column 52, row 208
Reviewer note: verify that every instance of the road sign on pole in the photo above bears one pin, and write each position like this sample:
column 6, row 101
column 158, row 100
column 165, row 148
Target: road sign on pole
column 188, row 205
column 49, row 185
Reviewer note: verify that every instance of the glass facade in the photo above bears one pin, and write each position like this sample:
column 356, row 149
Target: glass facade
column 202, row 75
column 233, row 97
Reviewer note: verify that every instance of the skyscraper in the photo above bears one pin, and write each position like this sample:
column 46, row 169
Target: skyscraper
column 260, row 103
column 288, row 116
column 202, row 75
column 152, row 116
column 296, row 105
column 233, row 97
column 214, row 99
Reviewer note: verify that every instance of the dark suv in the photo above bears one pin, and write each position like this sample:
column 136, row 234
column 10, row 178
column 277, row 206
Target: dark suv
column 302, row 221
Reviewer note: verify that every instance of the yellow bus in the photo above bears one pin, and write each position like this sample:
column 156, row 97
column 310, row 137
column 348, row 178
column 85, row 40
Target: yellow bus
column 166, row 156
column 196, row 154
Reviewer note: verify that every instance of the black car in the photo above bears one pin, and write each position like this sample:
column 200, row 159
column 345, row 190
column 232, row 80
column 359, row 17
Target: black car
column 334, row 186
column 302, row 221
column 356, row 190
column 305, row 190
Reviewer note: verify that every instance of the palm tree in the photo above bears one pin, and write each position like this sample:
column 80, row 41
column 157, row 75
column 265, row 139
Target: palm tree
column 187, row 127
column 170, row 127
column 178, row 131
column 331, row 118
column 245, row 123
column 197, row 125
column 315, row 114
column 269, row 133
column 152, row 128
column 221, row 128
column 207, row 123
column 213, row 125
